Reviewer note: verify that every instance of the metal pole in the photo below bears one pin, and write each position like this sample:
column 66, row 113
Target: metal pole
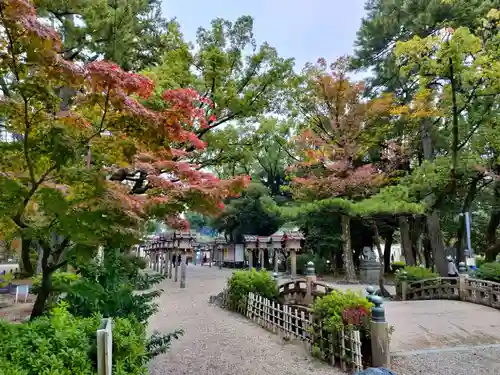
column 467, row 227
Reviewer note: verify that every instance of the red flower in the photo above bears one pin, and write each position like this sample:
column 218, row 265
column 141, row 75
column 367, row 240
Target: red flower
column 212, row 118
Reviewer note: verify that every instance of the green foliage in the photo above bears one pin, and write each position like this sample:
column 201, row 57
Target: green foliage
column 109, row 289
column 62, row 282
column 480, row 261
column 243, row 282
column 55, row 344
column 247, row 215
column 395, row 266
column 329, row 309
column 415, row 274
column 320, row 265
column 6, row 279
column 488, row 271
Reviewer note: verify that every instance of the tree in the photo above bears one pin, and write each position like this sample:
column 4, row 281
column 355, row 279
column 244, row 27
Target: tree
column 49, row 193
column 248, row 215
column 342, row 129
column 242, row 81
column 132, row 33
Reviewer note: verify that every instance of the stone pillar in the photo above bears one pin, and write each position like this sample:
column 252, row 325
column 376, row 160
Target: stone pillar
column 165, row 267
column 381, row 356
column 183, row 269
column 404, row 286
column 155, row 268
column 176, row 265
column 275, row 277
column 293, row 263
column 170, row 263
column 250, row 260
column 310, row 279
column 275, row 261
column 462, row 273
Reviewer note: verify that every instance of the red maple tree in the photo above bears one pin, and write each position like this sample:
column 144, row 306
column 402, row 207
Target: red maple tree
column 64, row 111
column 342, row 128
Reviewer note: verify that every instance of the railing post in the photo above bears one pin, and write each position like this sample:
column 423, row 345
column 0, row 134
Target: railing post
column 462, row 271
column 379, row 335
column 275, row 277
column 370, row 290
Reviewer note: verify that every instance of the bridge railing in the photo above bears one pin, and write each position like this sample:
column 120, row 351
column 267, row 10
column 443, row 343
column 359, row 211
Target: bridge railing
column 463, row 288
column 302, row 291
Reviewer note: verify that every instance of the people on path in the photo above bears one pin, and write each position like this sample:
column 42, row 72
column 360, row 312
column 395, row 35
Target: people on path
column 452, row 267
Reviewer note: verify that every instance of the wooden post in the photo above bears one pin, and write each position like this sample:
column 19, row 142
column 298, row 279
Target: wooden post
column 293, row 263
column 104, row 338
column 183, row 269
column 381, row 356
column 176, row 265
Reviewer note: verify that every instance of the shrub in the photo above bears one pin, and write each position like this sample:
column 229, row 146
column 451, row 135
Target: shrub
column 395, row 266
column 330, row 309
column 244, row 282
column 61, row 282
column 414, row 273
column 488, row 271
column 479, row 261
column 56, row 344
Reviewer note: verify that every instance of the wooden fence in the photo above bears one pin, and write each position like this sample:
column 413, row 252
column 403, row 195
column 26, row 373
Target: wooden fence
column 342, row 348
column 461, row 288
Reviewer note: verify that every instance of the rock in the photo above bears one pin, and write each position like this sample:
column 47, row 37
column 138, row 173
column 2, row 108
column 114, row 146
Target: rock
column 376, row 371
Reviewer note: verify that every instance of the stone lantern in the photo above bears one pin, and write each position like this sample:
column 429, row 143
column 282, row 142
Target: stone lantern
column 292, row 242
column 169, row 245
column 183, row 243
column 262, row 245
column 250, row 245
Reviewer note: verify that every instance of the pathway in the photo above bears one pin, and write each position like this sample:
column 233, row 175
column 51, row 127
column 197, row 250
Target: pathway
column 434, row 337
column 217, row 341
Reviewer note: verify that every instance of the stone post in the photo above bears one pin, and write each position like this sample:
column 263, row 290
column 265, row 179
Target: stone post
column 275, row 260
column 462, row 273
column 293, row 263
column 370, row 291
column 170, row 256
column 176, row 265
column 275, row 277
column 250, row 260
column 404, row 285
column 157, row 261
column 310, row 279
column 379, row 335
column 183, row 269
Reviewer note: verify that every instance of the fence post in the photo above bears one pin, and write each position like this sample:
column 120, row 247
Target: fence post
column 275, row 277
column 462, row 273
column 379, row 335
column 105, row 348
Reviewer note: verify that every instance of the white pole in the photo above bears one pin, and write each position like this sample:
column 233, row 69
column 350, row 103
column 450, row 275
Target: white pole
column 467, row 227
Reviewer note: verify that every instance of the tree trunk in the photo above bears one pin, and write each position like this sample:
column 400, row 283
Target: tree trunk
column 433, row 219
column 436, row 241
column 388, row 240
column 427, row 252
column 26, row 266
column 461, row 232
column 347, row 250
column 416, row 227
column 404, row 229
column 492, row 249
column 381, row 281
column 43, row 295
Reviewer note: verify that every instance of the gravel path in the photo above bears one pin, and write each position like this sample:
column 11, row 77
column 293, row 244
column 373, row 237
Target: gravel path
column 468, row 361
column 217, row 341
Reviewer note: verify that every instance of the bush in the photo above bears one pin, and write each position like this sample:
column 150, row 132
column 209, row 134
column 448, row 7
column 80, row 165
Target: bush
column 330, row 309
column 415, row 274
column 479, row 261
column 56, row 344
column 244, row 282
column 488, row 271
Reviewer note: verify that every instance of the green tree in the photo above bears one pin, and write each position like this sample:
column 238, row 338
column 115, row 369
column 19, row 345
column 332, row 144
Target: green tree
column 248, row 215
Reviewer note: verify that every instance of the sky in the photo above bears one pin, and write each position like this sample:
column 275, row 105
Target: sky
column 303, row 29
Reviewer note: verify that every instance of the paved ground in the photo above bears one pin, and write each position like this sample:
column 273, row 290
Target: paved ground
column 217, row 341
column 431, row 337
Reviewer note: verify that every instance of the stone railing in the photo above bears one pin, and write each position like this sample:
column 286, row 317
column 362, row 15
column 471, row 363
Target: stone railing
column 302, row 291
column 462, row 288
